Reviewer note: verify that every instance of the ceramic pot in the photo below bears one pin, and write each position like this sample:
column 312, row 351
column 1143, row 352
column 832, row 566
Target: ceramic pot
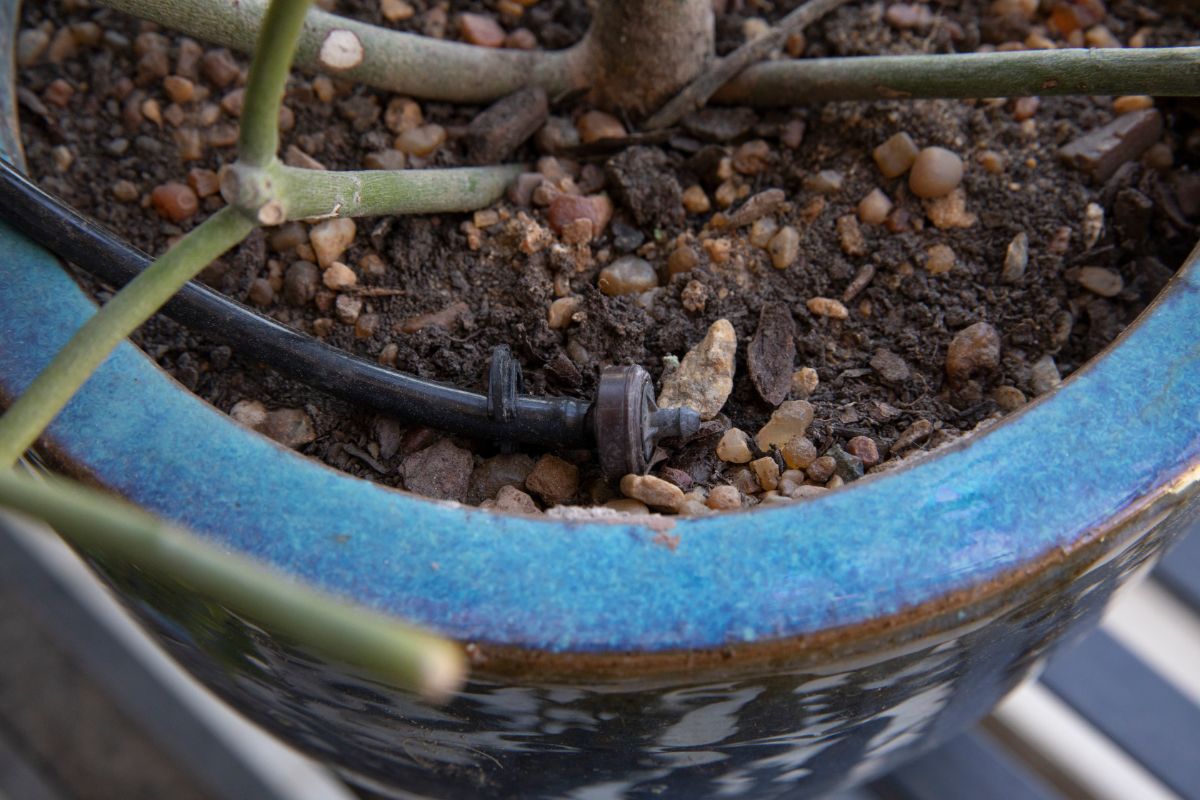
column 787, row 650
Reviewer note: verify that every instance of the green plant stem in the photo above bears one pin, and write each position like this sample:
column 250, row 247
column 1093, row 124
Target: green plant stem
column 1173, row 71
column 308, row 194
column 53, row 387
column 404, row 655
column 259, row 125
column 418, row 66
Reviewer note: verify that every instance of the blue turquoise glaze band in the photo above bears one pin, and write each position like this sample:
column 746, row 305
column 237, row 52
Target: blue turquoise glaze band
column 1117, row 430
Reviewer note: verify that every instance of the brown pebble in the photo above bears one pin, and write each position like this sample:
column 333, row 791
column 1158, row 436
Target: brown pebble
column 521, row 39
column 594, row 126
column 512, row 500
column 734, row 447
column 125, row 191
column 260, row 293
column 31, row 44
column 554, row 480
column 752, row 158
column 565, row 208
column 1131, row 103
column 826, row 181
column 442, row 318
column 799, row 452
column 627, row 275
column 939, row 259
column 179, row 89
column 561, row 311
column 896, row 156
column 724, row 498
column 59, row 93
column 864, row 449
column 975, row 348
column 936, row 172
column 347, row 308
column 792, row 418
column 1016, row 259
column 784, row 247
column 874, row 208
column 805, row 381
column 1009, row 398
column 850, row 236
column 950, row 212
column 300, row 283
column 991, row 161
column 821, row 469
column 219, row 68
column 204, row 182
column 827, row 307
column 480, row 30
column 766, row 471
column 174, row 201
column 396, row 10
column 1025, row 108
column 1101, row 281
column 421, row 140
column 330, row 239
column 339, row 277
column 441, row 471
column 652, row 491
column 402, row 114
column 695, row 201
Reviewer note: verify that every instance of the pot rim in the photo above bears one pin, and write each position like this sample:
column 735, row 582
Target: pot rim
column 981, row 516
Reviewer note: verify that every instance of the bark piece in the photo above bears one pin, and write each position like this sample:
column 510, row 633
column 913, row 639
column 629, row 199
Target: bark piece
column 772, row 353
column 496, row 133
column 1102, row 151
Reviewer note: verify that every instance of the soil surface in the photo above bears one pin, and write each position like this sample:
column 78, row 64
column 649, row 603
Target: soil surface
column 102, row 131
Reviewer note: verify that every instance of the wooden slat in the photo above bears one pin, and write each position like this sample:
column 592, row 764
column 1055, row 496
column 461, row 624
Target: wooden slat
column 1179, row 571
column 1134, row 707
column 971, row 765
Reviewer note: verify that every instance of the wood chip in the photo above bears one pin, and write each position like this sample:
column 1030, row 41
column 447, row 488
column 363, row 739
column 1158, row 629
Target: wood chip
column 772, row 353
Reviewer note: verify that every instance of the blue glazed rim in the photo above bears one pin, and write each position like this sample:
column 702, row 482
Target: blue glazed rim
column 1123, row 429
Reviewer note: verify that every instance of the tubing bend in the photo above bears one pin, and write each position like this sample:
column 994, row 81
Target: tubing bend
column 558, row 422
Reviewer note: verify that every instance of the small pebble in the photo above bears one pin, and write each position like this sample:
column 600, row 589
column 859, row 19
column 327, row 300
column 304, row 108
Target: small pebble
column 763, row 230
column 347, row 308
column 594, row 126
column 752, row 158
column 864, row 449
column 561, row 310
column 338, row 277
column 125, row 191
column 798, row 452
column 31, row 44
column 784, row 247
column 1093, row 225
column 421, row 140
column 566, row 208
column 396, row 10
column 260, row 293
column 767, row 472
column 874, row 208
column 896, row 156
column 950, row 211
column 1025, row 108
column 1130, row 103
column 174, row 201
column 939, row 259
column 792, row 418
column 850, row 236
column 827, row 307
column 936, row 172
column 480, row 30
column 890, row 368
column 821, row 469
column 300, row 283
column 991, row 161
column 734, row 447
column 385, row 159
column 179, row 89
column 1044, row 375
column 1101, row 281
column 402, row 114
column 219, row 68
column 652, row 491
column 826, row 181
column 627, row 275
column 627, row 505
column 554, row 480
column 724, row 498
column 204, row 182
column 695, row 201
column 1016, row 259
column 329, row 239
column 705, row 375
column 914, row 433
column 975, row 348
column 441, row 471
column 805, row 381
column 1009, row 398
column 512, row 500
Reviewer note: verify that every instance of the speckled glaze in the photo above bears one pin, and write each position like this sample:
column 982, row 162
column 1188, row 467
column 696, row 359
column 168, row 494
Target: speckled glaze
column 790, row 649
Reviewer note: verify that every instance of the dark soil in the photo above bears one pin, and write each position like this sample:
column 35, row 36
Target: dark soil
column 903, row 310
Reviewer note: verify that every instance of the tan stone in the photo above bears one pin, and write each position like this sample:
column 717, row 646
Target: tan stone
column 705, row 376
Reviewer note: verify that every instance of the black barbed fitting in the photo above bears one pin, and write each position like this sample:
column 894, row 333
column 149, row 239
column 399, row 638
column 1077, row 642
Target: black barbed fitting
column 628, row 423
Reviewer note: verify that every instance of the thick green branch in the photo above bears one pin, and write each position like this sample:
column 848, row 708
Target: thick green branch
column 308, row 194
column 53, row 387
column 259, row 127
column 406, row 656
column 1163, row 72
column 399, row 62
